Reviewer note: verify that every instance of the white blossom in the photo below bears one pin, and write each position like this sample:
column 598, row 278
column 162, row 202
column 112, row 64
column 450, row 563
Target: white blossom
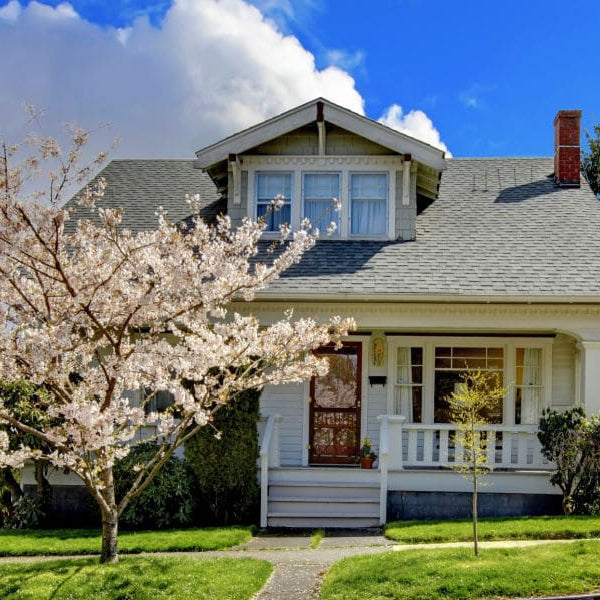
column 95, row 311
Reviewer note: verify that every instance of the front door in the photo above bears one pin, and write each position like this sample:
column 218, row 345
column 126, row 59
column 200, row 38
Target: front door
column 335, row 407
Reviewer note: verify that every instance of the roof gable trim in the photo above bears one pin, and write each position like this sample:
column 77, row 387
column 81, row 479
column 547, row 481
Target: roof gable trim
column 309, row 113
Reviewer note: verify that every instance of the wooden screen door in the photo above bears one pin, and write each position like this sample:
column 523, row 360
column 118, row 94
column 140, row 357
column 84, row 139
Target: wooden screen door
column 335, row 407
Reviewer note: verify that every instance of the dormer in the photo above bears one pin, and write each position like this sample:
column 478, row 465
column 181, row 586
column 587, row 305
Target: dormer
column 320, row 151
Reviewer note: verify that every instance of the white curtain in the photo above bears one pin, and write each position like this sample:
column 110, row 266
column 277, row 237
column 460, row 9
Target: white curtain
column 404, row 381
column 530, row 391
column 319, row 191
column 368, row 216
column 368, row 192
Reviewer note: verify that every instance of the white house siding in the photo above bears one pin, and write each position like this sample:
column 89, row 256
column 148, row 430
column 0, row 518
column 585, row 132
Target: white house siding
column 288, row 402
column 376, row 405
column 563, row 371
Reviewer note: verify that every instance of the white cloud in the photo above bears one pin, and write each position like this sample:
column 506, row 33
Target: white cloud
column 345, row 60
column 11, row 11
column 211, row 68
column 414, row 123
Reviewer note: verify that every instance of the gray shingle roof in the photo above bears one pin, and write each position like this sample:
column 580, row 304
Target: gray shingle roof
column 141, row 186
column 499, row 228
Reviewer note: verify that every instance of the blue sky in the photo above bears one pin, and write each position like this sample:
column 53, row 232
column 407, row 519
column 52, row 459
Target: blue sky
column 481, row 78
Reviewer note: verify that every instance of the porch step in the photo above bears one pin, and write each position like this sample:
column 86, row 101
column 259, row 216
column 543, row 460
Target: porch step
column 323, row 522
column 314, row 504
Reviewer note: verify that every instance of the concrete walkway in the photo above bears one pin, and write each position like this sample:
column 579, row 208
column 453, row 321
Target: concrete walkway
column 299, row 569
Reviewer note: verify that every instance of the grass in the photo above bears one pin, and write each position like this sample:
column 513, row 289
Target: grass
column 53, row 542
column 138, row 578
column 536, row 528
column 455, row 573
column 316, row 538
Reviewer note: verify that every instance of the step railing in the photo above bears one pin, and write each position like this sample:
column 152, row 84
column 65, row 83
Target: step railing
column 269, row 457
column 420, row 445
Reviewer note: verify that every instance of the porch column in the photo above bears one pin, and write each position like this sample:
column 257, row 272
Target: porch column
column 590, row 376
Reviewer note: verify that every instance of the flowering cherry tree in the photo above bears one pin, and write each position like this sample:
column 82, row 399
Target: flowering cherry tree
column 92, row 310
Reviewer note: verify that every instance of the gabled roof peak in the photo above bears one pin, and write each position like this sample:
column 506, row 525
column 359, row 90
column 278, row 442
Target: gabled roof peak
column 320, row 109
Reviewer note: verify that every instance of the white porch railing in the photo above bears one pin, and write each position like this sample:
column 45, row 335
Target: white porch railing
column 419, row 445
column 269, row 457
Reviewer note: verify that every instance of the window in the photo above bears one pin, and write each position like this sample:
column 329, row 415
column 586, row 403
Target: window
column 528, row 386
column 425, row 370
column 268, row 187
column 450, row 365
column 409, row 384
column 158, row 401
column 319, row 190
column 368, row 203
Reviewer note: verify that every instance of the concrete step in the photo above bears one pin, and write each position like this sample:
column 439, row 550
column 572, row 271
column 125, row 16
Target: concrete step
column 329, row 522
column 323, row 490
column 323, row 504
column 320, row 508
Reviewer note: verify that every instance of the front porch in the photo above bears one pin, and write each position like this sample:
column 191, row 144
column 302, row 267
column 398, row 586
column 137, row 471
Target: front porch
column 415, row 459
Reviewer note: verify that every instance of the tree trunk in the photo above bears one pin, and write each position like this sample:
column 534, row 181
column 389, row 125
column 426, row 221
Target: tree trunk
column 475, row 540
column 110, row 521
column 15, row 489
column 110, row 530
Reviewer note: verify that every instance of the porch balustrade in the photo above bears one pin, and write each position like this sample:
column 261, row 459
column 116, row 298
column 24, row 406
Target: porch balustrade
column 419, row 445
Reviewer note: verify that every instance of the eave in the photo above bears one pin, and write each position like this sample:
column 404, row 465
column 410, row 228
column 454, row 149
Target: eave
column 208, row 158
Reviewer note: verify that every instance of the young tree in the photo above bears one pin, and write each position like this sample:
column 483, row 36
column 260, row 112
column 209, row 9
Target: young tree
column 91, row 314
column 590, row 160
column 478, row 392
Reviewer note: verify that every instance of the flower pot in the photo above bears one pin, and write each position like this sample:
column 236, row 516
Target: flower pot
column 366, row 463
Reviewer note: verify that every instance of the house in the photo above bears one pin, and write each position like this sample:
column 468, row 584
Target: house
column 445, row 264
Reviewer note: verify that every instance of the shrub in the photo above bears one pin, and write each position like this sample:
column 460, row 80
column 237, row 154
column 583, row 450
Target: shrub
column 167, row 502
column 225, row 466
column 572, row 442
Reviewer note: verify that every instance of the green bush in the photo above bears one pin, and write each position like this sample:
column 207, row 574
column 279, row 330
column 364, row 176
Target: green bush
column 572, row 442
column 225, row 466
column 167, row 502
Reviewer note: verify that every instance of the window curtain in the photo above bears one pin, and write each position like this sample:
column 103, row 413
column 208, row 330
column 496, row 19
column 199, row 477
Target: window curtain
column 404, row 391
column 530, row 392
column 368, row 216
column 368, row 193
column 268, row 187
column 319, row 191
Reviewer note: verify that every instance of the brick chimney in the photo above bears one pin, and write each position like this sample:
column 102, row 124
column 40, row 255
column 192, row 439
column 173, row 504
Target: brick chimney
column 567, row 151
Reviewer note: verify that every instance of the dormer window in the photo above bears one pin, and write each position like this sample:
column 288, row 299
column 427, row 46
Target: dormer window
column 318, row 191
column 368, row 203
column 268, row 187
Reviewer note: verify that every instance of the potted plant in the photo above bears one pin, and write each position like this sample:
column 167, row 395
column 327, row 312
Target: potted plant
column 366, row 456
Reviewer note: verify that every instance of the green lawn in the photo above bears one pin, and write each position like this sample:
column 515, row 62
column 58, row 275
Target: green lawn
column 83, row 541
column 138, row 578
column 455, row 573
column 552, row 528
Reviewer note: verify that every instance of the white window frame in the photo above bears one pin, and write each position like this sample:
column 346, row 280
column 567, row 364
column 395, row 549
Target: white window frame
column 386, row 227
column 509, row 344
column 260, row 172
column 324, row 222
column 297, row 165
